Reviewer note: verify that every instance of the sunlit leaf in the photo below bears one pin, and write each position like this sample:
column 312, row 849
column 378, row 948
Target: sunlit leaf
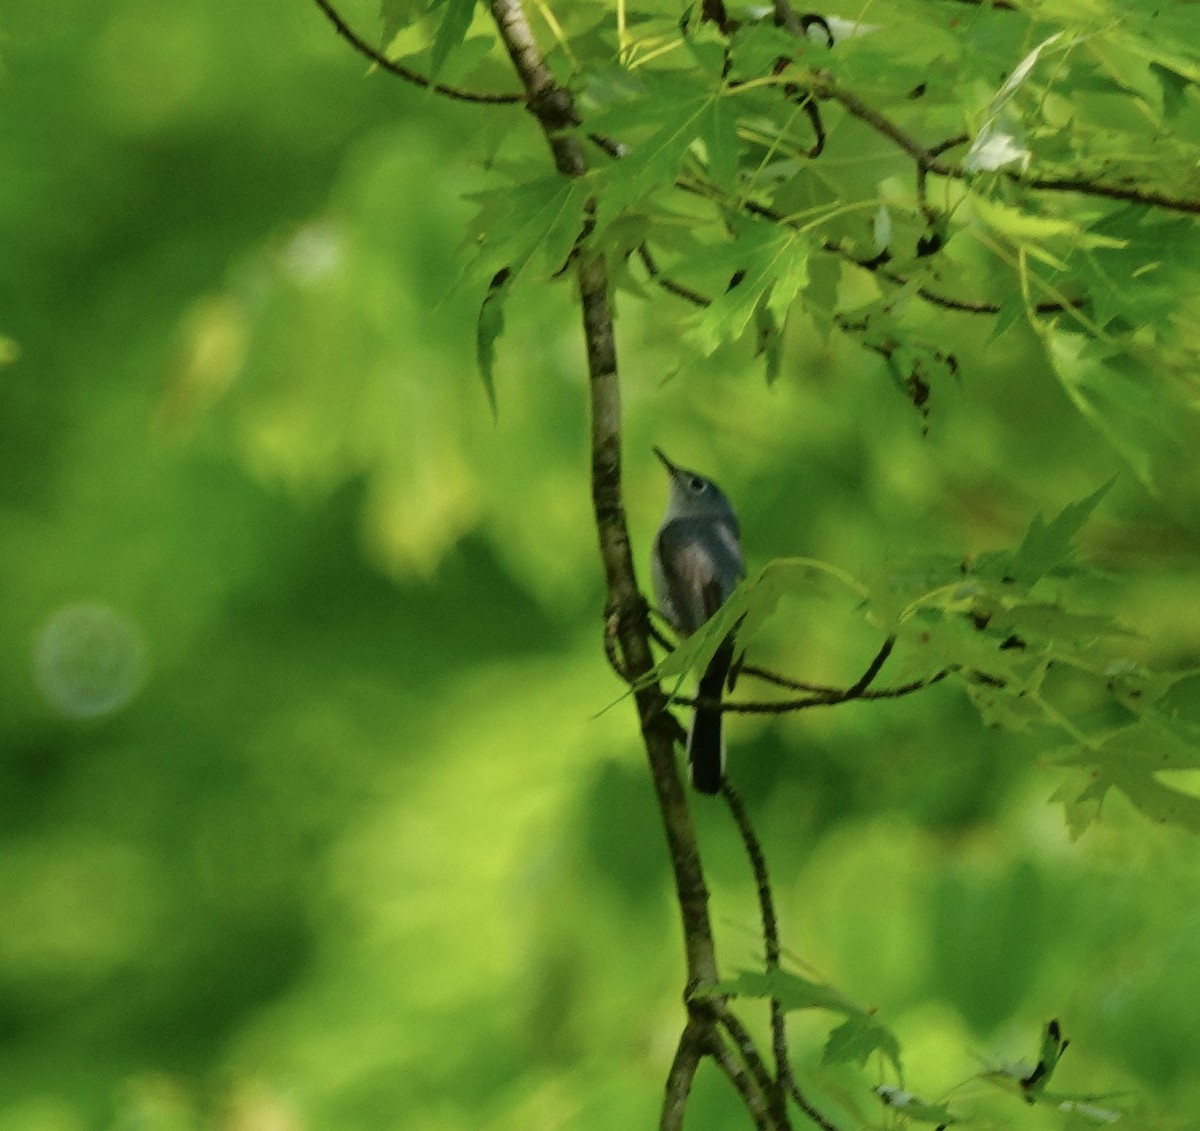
column 999, row 144
column 716, row 130
column 1048, row 544
column 771, row 267
column 1025, row 227
column 1022, row 70
column 1000, row 141
column 857, row 1038
column 1126, row 401
column 541, row 217
column 792, row 991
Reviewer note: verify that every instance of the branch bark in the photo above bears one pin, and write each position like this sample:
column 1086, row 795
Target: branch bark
column 554, row 109
column 784, row 1084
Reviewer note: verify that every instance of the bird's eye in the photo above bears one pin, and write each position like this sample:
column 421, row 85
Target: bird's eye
column 698, row 485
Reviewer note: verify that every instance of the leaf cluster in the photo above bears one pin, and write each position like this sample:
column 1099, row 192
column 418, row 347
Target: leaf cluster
column 1024, row 166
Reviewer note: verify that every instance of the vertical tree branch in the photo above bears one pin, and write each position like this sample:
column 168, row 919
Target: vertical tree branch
column 554, row 109
column 626, row 601
column 744, row 1043
column 783, row 1082
column 757, row 1104
column 628, row 621
column 688, row 1053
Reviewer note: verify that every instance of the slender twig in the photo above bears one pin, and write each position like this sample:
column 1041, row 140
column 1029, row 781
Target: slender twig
column 1086, row 187
column 768, row 676
column 930, row 161
column 962, row 305
column 927, row 210
column 841, row 694
column 400, row 71
column 820, row 1120
column 743, row 1042
column 875, row 266
column 670, row 285
column 935, row 298
column 882, row 124
column 950, row 143
column 864, row 681
column 757, row 1102
column 830, row 697
column 693, row 1044
column 783, row 1083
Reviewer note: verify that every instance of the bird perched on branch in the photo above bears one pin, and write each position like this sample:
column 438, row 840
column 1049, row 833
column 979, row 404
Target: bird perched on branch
column 695, row 565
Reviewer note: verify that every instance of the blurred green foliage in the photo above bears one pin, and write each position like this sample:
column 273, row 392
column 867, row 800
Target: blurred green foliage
column 312, row 816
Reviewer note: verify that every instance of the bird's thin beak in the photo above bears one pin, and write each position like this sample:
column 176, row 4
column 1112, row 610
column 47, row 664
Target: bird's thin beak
column 672, row 468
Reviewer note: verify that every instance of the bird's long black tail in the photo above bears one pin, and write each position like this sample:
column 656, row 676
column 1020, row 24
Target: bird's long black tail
column 706, row 744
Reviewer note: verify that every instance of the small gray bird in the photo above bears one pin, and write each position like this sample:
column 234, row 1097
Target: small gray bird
column 696, row 563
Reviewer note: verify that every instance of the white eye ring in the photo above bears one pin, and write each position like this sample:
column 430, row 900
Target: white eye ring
column 698, row 485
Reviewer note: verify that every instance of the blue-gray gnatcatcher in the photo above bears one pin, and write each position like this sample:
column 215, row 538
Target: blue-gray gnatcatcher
column 696, row 563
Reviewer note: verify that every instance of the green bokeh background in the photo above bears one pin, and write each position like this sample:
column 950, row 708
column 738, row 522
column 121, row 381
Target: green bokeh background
column 363, row 848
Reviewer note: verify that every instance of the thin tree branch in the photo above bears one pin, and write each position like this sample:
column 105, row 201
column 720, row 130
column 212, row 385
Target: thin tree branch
column 786, row 681
column 935, row 298
column 820, row 1120
column 550, row 103
column 928, row 160
column 783, row 1083
column 825, row 689
column 786, row 706
column 693, row 1044
column 827, row 88
column 757, row 1102
column 963, row 305
column 1133, row 195
column 381, row 60
column 864, row 681
column 932, row 217
column 875, row 266
column 554, row 109
column 950, row 142
column 670, row 285
column 743, row 1042
column 819, row 695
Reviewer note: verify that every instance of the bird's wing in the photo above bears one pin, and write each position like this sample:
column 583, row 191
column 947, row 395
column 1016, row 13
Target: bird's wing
column 693, row 566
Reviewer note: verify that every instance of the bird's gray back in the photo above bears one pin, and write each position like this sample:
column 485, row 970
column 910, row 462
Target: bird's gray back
column 696, row 565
